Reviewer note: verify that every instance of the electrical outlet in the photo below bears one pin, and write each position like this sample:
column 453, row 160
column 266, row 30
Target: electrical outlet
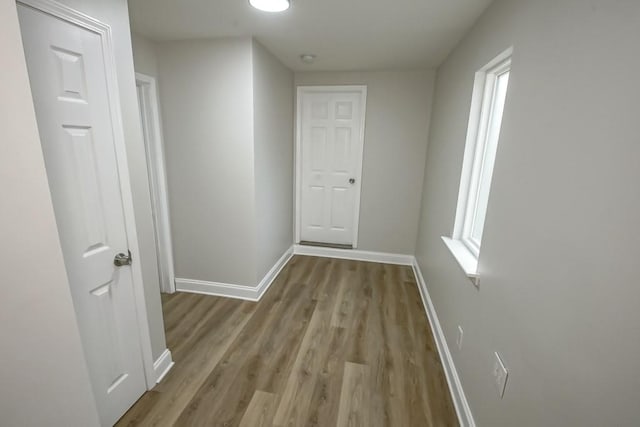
column 459, row 339
column 500, row 375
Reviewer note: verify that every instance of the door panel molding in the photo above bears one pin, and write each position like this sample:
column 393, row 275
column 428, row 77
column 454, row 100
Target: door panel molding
column 86, row 22
column 361, row 90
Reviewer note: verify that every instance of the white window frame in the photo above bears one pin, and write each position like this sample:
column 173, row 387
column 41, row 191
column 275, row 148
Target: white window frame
column 479, row 153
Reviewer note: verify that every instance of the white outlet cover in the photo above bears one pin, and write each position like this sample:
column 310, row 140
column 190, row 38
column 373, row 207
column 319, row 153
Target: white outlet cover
column 460, row 335
column 500, row 375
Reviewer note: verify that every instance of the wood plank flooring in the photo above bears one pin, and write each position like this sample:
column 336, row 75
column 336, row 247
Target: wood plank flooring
column 332, row 343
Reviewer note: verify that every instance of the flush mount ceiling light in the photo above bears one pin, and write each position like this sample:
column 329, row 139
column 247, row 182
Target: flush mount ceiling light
column 307, row 58
column 270, row 5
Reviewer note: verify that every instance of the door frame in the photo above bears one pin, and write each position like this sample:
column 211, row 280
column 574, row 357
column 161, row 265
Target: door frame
column 154, row 150
column 297, row 158
column 65, row 13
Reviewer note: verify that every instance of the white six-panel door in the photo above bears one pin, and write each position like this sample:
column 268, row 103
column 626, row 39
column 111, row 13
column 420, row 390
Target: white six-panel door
column 329, row 157
column 68, row 80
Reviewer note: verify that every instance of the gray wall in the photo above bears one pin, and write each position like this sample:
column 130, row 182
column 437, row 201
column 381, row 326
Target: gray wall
column 207, row 107
column 397, row 124
column 43, row 374
column 145, row 59
column 273, row 144
column 559, row 290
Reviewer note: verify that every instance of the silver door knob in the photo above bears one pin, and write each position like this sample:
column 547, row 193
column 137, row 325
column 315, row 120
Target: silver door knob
column 352, row 180
column 122, row 259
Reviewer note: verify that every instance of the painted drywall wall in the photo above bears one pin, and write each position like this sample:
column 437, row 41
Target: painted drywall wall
column 145, row 60
column 207, row 112
column 273, row 146
column 395, row 144
column 43, row 375
column 116, row 14
column 559, row 292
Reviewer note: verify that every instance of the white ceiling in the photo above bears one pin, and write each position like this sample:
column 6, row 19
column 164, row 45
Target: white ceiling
column 344, row 34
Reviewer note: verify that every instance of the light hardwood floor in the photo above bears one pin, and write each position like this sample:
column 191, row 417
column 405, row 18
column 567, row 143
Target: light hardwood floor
column 332, row 343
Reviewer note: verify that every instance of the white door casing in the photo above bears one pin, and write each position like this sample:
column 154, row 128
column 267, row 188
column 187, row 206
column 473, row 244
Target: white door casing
column 151, row 129
column 80, row 131
column 329, row 147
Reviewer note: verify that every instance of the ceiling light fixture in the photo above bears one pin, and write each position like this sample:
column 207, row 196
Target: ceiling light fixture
column 307, row 58
column 270, row 5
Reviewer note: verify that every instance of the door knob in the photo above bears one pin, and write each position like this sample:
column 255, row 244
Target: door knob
column 122, row 259
column 352, row 180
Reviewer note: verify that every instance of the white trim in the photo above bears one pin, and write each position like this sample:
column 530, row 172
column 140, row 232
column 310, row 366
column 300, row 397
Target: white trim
column 163, row 365
column 297, row 159
column 150, row 117
column 271, row 275
column 465, row 417
column 68, row 14
column 217, row 289
column 465, row 258
column 354, row 254
column 479, row 155
column 250, row 293
column 477, row 97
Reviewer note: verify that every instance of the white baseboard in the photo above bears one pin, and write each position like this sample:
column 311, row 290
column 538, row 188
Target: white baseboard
column 162, row 365
column 463, row 411
column 353, row 254
column 250, row 293
column 217, row 289
column 268, row 278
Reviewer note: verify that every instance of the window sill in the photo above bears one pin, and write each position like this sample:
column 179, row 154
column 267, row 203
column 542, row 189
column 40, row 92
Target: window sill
column 467, row 261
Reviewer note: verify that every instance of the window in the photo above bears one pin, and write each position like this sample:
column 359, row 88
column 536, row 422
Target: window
column 483, row 132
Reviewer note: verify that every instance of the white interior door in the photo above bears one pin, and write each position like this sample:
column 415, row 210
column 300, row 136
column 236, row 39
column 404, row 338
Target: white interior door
column 330, row 145
column 68, row 80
